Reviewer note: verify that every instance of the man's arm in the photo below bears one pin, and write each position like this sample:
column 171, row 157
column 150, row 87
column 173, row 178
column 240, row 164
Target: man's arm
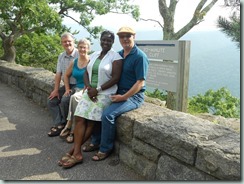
column 135, row 88
column 54, row 93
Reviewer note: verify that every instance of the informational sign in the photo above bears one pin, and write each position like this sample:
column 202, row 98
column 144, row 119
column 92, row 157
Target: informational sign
column 159, row 50
column 169, row 67
column 162, row 75
column 163, row 68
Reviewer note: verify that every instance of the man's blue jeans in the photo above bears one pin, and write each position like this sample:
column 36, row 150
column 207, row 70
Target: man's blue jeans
column 109, row 117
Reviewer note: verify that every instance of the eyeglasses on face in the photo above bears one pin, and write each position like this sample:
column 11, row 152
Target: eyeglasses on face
column 125, row 36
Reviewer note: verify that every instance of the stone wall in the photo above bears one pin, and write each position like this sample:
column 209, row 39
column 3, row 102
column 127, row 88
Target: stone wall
column 156, row 142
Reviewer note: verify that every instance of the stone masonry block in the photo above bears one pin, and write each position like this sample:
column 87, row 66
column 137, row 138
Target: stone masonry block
column 171, row 169
column 124, row 129
column 148, row 151
column 22, row 83
column 139, row 163
column 166, row 138
column 220, row 160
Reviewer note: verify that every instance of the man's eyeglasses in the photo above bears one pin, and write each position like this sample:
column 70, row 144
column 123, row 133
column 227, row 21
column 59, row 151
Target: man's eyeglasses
column 125, row 36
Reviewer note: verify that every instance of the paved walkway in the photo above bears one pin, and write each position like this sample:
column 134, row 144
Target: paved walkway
column 27, row 153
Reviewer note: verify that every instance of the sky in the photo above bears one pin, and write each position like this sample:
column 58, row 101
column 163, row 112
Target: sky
column 149, row 10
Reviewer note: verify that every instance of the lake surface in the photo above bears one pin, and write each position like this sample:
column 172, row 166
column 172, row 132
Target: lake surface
column 214, row 63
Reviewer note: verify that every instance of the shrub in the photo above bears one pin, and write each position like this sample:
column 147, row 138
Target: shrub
column 219, row 102
column 162, row 95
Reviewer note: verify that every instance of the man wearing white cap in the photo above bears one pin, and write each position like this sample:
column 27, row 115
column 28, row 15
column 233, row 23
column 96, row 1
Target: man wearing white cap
column 130, row 94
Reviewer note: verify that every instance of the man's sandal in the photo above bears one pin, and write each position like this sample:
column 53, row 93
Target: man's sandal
column 90, row 148
column 72, row 161
column 64, row 159
column 101, row 156
column 55, row 131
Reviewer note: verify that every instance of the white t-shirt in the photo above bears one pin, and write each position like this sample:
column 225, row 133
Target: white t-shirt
column 104, row 70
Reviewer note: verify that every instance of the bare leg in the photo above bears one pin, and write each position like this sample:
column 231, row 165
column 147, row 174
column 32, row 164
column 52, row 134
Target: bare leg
column 82, row 132
column 69, row 124
column 79, row 132
column 66, row 131
column 89, row 130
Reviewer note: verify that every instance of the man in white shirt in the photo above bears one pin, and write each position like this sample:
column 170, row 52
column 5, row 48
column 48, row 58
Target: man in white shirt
column 57, row 103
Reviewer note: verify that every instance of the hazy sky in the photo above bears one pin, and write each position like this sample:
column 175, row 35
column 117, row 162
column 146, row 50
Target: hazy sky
column 149, row 10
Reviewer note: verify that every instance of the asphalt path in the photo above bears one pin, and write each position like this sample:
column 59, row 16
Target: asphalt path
column 27, row 153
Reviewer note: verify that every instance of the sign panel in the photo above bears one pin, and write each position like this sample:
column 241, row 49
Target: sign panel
column 161, row 74
column 159, row 50
column 168, row 68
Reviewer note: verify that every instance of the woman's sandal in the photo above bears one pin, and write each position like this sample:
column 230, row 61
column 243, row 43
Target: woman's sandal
column 90, row 148
column 65, row 132
column 70, row 138
column 55, row 131
column 64, row 159
column 72, row 161
column 101, row 156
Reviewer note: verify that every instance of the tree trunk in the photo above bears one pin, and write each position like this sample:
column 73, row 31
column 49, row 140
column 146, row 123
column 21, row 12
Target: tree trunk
column 9, row 49
column 168, row 13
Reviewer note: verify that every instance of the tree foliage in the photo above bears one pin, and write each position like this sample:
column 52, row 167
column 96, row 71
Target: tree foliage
column 219, row 102
column 231, row 27
column 23, row 17
column 162, row 95
column 38, row 50
column 88, row 9
column 44, row 16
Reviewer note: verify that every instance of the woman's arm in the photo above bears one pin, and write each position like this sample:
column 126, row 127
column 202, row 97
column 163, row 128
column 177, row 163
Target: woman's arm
column 116, row 72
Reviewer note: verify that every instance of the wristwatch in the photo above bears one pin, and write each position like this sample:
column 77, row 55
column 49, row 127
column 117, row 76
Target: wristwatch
column 99, row 89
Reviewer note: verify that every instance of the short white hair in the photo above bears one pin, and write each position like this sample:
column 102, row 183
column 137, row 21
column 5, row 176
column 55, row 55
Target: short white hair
column 85, row 41
column 66, row 34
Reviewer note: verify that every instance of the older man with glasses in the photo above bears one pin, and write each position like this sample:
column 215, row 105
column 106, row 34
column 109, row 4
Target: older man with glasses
column 130, row 94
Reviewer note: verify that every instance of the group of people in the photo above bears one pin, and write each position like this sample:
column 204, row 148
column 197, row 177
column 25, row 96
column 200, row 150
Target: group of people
column 97, row 89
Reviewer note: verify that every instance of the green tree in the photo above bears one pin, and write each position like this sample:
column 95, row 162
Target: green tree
column 27, row 16
column 88, row 9
column 219, row 102
column 38, row 50
column 231, row 27
column 23, row 17
column 167, row 10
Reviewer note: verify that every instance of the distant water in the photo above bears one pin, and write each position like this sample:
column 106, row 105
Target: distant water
column 214, row 61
